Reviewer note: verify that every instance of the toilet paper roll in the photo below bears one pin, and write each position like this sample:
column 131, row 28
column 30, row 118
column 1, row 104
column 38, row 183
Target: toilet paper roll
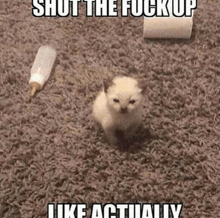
column 168, row 27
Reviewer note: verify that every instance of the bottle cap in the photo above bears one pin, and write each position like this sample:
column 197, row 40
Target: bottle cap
column 37, row 78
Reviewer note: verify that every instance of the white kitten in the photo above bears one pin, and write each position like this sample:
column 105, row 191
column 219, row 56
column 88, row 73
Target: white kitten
column 118, row 108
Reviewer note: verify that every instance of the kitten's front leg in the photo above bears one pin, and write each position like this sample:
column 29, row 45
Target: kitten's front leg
column 110, row 133
column 111, row 136
column 129, row 133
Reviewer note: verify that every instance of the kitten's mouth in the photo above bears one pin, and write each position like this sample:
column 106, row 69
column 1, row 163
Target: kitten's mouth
column 124, row 111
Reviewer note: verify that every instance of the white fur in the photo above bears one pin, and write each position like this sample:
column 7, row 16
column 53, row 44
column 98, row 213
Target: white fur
column 108, row 113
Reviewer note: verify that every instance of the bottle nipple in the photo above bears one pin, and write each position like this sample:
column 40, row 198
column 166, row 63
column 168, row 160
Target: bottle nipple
column 35, row 87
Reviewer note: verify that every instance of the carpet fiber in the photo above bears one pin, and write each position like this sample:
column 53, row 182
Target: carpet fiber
column 50, row 150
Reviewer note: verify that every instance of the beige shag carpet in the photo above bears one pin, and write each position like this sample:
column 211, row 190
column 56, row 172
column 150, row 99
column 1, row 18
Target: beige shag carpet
column 50, row 151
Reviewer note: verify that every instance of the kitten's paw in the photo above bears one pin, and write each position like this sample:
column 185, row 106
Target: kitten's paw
column 112, row 140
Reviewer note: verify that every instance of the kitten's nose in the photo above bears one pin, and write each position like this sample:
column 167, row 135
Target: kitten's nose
column 124, row 110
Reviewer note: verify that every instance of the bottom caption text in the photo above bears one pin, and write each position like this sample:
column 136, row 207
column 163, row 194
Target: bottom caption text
column 115, row 210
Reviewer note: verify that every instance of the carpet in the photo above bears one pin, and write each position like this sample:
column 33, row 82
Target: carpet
column 50, row 149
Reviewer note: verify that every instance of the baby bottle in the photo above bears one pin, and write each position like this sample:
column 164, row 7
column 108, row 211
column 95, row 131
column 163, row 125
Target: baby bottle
column 42, row 67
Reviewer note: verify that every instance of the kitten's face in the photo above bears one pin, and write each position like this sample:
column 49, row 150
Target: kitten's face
column 124, row 96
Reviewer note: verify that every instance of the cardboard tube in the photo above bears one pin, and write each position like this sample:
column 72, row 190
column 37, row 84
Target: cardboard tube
column 168, row 27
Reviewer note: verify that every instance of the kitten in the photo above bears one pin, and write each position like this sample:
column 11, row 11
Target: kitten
column 118, row 108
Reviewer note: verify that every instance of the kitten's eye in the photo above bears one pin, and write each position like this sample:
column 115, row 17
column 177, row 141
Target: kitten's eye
column 115, row 100
column 132, row 101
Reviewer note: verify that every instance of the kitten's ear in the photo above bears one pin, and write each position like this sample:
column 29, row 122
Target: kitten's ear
column 107, row 83
column 142, row 84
